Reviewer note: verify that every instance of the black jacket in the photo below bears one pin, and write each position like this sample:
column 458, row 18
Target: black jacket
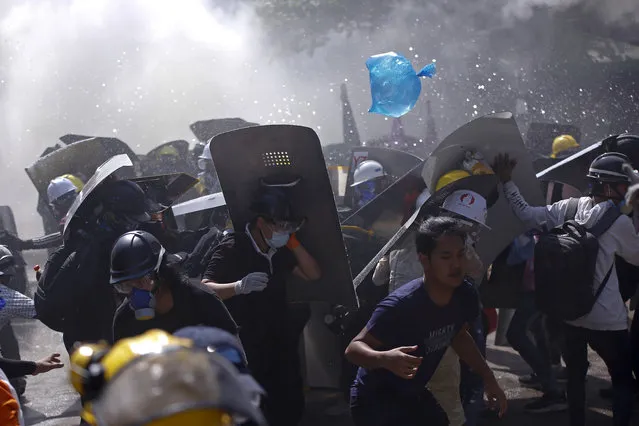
column 191, row 306
column 74, row 295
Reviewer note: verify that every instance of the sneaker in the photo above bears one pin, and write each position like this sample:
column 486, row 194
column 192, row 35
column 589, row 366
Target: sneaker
column 530, row 381
column 548, row 403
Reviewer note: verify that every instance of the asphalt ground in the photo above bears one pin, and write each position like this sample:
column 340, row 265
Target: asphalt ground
column 51, row 401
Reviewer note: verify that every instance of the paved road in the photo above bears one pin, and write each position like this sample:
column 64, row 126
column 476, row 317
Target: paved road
column 52, row 402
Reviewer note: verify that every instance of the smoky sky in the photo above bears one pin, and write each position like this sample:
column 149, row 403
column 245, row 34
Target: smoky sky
column 143, row 70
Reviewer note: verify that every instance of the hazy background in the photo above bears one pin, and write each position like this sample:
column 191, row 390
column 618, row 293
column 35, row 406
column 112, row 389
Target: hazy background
column 143, row 70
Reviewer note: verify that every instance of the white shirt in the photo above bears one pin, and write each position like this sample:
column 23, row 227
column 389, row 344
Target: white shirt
column 609, row 311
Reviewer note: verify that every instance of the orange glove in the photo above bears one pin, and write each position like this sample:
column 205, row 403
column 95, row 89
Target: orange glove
column 293, row 242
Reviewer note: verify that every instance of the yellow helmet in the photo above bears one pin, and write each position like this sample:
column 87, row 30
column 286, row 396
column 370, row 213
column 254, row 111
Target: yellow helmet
column 156, row 379
column 76, row 181
column 450, row 177
column 562, row 143
column 81, row 359
column 92, row 365
column 168, row 150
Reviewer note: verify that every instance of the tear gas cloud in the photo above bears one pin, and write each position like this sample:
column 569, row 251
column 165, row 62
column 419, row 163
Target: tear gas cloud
column 143, row 70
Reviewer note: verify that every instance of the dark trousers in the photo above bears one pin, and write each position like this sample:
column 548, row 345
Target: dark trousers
column 471, row 386
column 634, row 346
column 395, row 410
column 528, row 318
column 614, row 349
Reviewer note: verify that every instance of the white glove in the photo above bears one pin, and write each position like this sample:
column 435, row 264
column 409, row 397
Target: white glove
column 255, row 281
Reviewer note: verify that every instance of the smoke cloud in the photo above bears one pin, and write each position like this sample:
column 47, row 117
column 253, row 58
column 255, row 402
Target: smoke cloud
column 143, row 70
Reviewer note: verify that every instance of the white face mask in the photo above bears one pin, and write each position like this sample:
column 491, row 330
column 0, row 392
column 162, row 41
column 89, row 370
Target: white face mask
column 278, row 239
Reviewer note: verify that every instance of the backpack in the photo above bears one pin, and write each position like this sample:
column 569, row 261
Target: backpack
column 564, row 264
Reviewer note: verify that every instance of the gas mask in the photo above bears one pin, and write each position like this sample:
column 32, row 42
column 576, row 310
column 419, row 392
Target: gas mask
column 365, row 193
column 143, row 304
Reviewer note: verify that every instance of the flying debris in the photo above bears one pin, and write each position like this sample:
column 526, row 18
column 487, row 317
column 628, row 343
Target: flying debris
column 395, row 86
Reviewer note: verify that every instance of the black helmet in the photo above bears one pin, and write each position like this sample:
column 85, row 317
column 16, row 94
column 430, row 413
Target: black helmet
column 134, row 255
column 7, row 262
column 272, row 203
column 125, row 197
column 608, row 168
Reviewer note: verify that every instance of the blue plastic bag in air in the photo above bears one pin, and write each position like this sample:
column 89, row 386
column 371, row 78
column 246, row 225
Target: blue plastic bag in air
column 395, row 86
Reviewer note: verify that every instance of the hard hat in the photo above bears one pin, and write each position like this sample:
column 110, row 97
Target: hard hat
column 75, row 180
column 608, row 168
column 450, row 177
column 366, row 171
column 7, row 262
column 562, row 143
column 81, row 359
column 468, row 204
column 206, row 153
column 168, row 150
column 134, row 255
column 59, row 187
column 89, row 373
column 156, row 379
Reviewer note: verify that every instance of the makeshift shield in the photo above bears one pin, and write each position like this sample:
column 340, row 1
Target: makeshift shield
column 243, row 158
column 206, row 129
column 381, row 218
column 81, row 157
column 103, row 172
column 489, row 135
column 395, row 163
column 484, row 185
column 573, row 170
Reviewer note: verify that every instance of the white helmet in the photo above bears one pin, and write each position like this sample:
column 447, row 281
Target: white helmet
column 59, row 187
column 468, row 204
column 366, row 171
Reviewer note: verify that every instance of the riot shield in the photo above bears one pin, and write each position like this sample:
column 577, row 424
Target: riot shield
column 381, row 218
column 81, row 157
column 489, row 135
column 396, row 164
column 206, row 129
column 244, row 157
column 484, row 185
column 102, row 173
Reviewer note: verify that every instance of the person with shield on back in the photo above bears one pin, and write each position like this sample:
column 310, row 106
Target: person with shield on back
column 248, row 270
column 74, row 295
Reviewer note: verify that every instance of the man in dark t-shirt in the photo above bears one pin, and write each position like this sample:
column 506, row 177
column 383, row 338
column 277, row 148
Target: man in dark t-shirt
column 407, row 335
column 248, row 270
